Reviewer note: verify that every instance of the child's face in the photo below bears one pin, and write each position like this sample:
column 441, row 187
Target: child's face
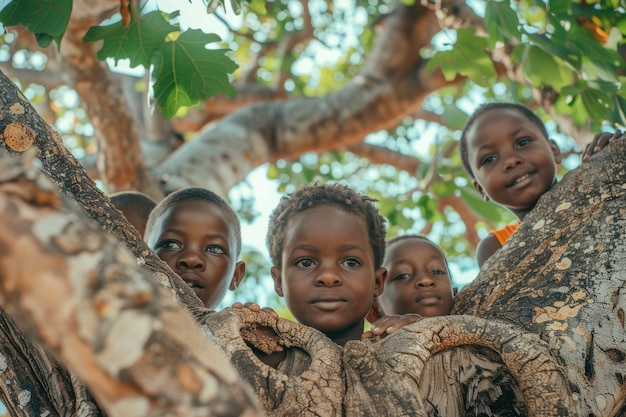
column 513, row 162
column 327, row 275
column 194, row 238
column 418, row 280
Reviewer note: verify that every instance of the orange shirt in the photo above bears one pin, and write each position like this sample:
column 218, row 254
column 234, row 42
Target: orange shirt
column 503, row 234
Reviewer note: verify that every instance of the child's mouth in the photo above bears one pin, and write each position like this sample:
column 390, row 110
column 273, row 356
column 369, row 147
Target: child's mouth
column 328, row 305
column 524, row 178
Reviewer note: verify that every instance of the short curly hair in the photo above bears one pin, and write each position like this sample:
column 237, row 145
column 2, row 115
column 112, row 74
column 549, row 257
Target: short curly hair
column 321, row 194
column 528, row 113
column 195, row 193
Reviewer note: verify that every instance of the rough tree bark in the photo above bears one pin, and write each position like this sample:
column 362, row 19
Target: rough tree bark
column 562, row 275
column 367, row 378
column 86, row 299
column 37, row 384
column 563, row 280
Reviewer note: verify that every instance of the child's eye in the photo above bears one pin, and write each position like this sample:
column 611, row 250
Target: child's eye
column 304, row 262
column 523, row 142
column 215, row 249
column 352, row 263
column 487, row 159
column 402, row 277
column 438, row 272
column 170, row 244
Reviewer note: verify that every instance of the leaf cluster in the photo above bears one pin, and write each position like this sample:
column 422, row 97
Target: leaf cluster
column 184, row 69
column 568, row 47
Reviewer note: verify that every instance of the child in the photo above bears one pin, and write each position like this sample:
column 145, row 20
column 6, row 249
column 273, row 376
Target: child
column 327, row 244
column 418, row 279
column 135, row 206
column 506, row 151
column 457, row 382
column 198, row 235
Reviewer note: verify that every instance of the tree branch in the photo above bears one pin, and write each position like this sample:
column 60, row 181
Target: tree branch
column 132, row 343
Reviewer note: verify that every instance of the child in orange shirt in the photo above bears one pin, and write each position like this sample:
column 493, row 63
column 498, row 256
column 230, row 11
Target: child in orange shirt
column 507, row 153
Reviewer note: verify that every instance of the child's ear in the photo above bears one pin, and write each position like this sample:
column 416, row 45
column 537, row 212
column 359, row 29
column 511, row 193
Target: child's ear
column 479, row 188
column 555, row 151
column 240, row 272
column 278, row 282
column 379, row 284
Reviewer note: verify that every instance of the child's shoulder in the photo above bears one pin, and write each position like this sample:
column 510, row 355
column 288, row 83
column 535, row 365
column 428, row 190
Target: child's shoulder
column 486, row 247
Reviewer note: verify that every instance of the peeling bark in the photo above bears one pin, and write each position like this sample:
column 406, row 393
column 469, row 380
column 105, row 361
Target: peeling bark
column 137, row 349
column 18, row 115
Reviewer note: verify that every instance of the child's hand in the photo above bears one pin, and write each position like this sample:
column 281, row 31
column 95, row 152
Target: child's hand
column 389, row 324
column 598, row 143
column 255, row 307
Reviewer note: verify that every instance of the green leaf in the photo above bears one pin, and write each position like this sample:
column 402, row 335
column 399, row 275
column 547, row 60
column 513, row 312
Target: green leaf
column 258, row 7
column 574, row 107
column 467, row 57
column 594, row 51
column 540, row 67
column 429, row 209
column 501, row 22
column 443, row 60
column 621, row 86
column 608, row 87
column 47, row 19
column 559, row 7
column 618, row 111
column 453, row 117
column 138, row 42
column 566, row 51
column 187, row 71
column 444, row 188
column 272, row 171
column 597, row 104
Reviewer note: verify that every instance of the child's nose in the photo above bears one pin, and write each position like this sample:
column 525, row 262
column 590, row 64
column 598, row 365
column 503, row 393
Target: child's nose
column 424, row 280
column 328, row 278
column 190, row 260
column 511, row 162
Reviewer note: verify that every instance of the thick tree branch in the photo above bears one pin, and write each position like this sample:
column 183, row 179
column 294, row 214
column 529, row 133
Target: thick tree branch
column 20, row 122
column 87, row 300
column 388, row 88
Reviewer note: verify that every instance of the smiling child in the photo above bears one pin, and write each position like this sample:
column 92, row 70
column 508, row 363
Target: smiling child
column 506, row 150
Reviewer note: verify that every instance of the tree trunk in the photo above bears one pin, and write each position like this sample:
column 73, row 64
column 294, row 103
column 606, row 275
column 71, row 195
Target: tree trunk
column 85, row 298
column 34, row 383
column 562, row 275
